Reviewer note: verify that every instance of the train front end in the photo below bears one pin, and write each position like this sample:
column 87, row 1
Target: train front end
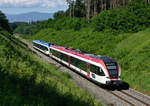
column 113, row 72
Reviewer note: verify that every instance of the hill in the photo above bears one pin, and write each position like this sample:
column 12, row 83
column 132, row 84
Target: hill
column 25, row 79
column 132, row 50
column 29, row 17
column 122, row 33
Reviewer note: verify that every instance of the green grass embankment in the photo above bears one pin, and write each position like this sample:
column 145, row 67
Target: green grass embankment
column 25, row 79
column 132, row 50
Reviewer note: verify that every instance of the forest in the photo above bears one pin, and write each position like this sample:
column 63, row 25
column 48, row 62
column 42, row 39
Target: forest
column 90, row 8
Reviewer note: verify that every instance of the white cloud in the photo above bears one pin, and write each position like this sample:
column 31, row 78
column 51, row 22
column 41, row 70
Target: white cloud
column 32, row 3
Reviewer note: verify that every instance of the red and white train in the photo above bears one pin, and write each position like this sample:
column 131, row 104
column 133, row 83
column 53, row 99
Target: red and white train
column 101, row 69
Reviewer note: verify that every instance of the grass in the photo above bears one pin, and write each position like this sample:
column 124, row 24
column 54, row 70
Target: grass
column 132, row 50
column 26, row 79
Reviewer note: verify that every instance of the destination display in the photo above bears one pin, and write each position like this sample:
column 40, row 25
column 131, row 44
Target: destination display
column 111, row 66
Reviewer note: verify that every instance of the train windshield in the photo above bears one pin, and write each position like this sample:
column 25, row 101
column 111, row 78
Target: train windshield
column 112, row 69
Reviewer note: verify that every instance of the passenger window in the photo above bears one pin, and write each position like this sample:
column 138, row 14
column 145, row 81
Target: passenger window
column 100, row 72
column 79, row 63
column 54, row 53
column 64, row 57
column 82, row 65
column 74, row 61
column 93, row 68
column 60, row 55
column 96, row 70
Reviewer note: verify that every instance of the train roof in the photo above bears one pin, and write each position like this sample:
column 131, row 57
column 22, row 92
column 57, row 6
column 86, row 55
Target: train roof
column 106, row 59
column 92, row 57
column 43, row 42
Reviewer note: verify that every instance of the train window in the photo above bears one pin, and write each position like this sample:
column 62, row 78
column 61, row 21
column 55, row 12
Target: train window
column 100, row 72
column 96, row 70
column 112, row 69
column 60, row 55
column 33, row 44
column 93, row 68
column 55, row 53
column 65, row 57
column 82, row 65
column 36, row 45
column 40, row 47
column 79, row 63
column 73, row 61
column 44, row 48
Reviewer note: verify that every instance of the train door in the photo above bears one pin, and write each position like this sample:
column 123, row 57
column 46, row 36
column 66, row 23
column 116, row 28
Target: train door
column 88, row 70
column 49, row 52
column 69, row 61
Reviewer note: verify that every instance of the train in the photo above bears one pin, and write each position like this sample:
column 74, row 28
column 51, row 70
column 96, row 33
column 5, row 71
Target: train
column 101, row 69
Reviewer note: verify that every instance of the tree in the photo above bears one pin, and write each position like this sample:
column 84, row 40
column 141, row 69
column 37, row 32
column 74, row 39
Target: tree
column 79, row 9
column 95, row 7
column 88, row 9
column 59, row 14
column 124, row 3
column 4, row 22
column 69, row 2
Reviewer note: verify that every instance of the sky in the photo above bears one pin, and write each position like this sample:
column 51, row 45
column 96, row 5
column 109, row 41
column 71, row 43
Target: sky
column 24, row 6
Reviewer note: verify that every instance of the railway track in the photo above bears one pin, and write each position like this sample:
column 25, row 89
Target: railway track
column 132, row 100
column 126, row 97
column 121, row 98
column 136, row 98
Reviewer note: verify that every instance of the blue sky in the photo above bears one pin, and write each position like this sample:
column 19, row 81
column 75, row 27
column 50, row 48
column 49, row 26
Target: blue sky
column 24, row 6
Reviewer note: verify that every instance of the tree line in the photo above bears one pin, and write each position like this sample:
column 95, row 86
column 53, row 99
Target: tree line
column 133, row 17
column 90, row 8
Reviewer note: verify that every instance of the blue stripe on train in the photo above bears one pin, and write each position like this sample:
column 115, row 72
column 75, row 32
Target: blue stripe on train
column 41, row 42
